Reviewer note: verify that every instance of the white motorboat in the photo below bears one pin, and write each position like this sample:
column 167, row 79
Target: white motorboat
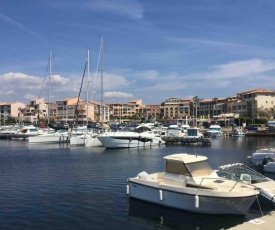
column 176, row 131
column 194, row 133
column 50, row 138
column 214, row 131
column 93, row 141
column 258, row 157
column 189, row 183
column 131, row 136
column 267, row 165
column 265, row 184
column 29, row 130
column 237, row 132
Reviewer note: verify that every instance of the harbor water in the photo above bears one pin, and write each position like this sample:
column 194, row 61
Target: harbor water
column 61, row 187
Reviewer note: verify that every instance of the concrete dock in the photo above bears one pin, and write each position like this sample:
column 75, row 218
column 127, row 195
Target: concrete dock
column 186, row 141
column 255, row 221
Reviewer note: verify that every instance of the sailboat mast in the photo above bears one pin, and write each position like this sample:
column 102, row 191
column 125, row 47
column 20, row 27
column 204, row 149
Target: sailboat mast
column 50, row 74
column 88, row 82
column 101, row 89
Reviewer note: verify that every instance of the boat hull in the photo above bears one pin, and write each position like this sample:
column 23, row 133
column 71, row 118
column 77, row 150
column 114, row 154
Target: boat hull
column 237, row 205
column 78, row 140
column 258, row 157
column 214, row 134
column 93, row 141
column 269, row 167
column 49, row 139
column 129, row 141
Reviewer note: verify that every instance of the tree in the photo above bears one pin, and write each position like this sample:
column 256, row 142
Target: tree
column 215, row 101
column 196, row 101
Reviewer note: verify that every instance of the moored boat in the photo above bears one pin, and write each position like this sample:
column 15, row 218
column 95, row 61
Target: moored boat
column 131, row 136
column 237, row 132
column 189, row 183
column 214, row 131
column 265, row 184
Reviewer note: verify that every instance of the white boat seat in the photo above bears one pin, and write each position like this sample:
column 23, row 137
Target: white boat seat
column 173, row 182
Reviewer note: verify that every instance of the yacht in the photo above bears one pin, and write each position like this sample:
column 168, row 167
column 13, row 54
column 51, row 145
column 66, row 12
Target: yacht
column 131, row 136
column 177, row 130
column 260, row 154
column 214, row 131
column 189, row 183
column 29, row 130
column 50, row 138
column 194, row 133
column 237, row 132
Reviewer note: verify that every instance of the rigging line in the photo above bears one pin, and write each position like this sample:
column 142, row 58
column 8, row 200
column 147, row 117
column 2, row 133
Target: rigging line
column 45, row 76
column 95, row 75
column 76, row 112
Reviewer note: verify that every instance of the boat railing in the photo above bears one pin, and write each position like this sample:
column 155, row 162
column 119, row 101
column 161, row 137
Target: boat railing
column 220, row 180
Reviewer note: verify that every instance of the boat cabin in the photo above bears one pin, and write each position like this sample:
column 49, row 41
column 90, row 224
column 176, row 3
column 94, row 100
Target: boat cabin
column 194, row 132
column 188, row 165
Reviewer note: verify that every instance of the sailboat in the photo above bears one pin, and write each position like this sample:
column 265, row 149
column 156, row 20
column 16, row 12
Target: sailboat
column 50, row 137
column 78, row 134
column 92, row 140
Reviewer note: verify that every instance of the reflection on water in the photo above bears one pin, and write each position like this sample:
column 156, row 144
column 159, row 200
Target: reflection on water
column 159, row 216
column 55, row 186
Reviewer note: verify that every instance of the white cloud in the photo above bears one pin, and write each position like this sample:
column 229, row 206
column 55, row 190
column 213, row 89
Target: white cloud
column 13, row 81
column 116, row 94
column 27, row 86
column 112, row 81
column 148, row 75
column 237, row 69
column 30, row 96
column 57, row 79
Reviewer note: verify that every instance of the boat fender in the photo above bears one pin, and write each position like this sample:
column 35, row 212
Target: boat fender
column 197, row 201
column 160, row 195
column 127, row 189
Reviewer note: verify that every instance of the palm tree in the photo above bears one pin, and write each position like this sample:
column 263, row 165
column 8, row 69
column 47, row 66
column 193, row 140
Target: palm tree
column 196, row 101
column 215, row 100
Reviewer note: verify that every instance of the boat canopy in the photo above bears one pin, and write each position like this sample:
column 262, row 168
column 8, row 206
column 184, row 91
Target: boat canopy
column 188, row 165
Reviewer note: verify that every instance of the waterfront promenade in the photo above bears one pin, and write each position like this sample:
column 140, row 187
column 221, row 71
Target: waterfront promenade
column 257, row 222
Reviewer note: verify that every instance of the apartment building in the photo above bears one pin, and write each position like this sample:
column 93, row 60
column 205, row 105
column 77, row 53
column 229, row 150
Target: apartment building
column 210, row 107
column 10, row 110
column 124, row 111
column 253, row 100
column 150, row 112
column 176, row 108
column 86, row 112
column 38, row 109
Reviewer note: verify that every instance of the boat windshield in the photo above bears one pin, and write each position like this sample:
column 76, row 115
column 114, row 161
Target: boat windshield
column 128, row 128
column 201, row 168
column 135, row 128
column 234, row 172
column 214, row 129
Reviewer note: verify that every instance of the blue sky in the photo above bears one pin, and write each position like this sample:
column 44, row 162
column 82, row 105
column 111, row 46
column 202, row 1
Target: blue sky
column 153, row 49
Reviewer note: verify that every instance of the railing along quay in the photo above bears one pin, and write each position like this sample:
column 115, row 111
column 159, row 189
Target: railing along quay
column 186, row 141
